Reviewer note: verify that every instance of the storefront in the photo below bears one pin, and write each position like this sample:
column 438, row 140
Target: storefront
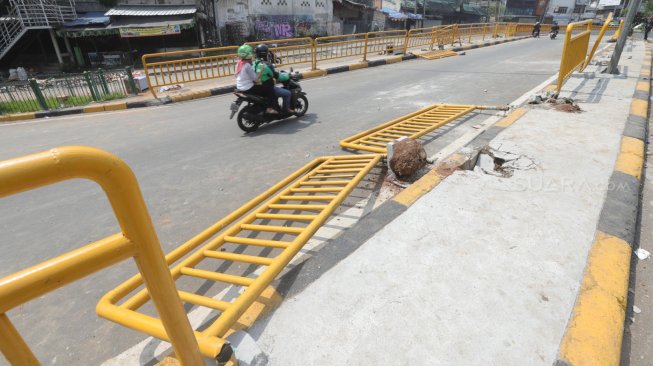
column 123, row 34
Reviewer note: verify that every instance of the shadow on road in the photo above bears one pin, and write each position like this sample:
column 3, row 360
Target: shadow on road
column 285, row 126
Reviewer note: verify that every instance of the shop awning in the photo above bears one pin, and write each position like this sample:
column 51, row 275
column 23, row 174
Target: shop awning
column 146, row 22
column 88, row 19
column 394, row 15
column 151, row 10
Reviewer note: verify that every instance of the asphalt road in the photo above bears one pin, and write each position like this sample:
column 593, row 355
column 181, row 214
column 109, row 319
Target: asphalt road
column 194, row 166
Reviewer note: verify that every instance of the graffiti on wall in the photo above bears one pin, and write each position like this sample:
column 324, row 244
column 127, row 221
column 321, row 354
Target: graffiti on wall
column 283, row 26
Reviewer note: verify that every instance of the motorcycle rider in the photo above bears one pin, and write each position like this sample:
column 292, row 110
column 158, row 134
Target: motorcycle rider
column 555, row 28
column 269, row 74
column 536, row 29
column 248, row 81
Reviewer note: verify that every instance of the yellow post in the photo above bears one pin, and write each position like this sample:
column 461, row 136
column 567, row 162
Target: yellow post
column 314, row 55
column 496, row 31
column 12, row 345
column 365, row 51
column 432, row 38
column 137, row 238
column 147, row 75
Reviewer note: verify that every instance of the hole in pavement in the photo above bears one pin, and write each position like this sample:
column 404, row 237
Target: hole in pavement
column 501, row 163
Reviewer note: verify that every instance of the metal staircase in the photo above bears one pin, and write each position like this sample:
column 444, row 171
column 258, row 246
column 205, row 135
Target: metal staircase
column 32, row 14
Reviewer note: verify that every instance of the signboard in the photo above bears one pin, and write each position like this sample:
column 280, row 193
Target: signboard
column 609, row 2
column 150, row 31
column 583, row 2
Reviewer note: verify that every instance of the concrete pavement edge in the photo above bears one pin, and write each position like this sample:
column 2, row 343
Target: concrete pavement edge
column 225, row 89
column 594, row 333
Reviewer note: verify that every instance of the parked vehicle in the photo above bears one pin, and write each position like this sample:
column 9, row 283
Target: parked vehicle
column 254, row 114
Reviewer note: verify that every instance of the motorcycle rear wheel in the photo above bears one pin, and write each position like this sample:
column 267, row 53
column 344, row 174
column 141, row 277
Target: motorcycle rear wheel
column 245, row 123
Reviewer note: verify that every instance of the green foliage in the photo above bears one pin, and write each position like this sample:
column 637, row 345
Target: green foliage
column 648, row 8
column 31, row 105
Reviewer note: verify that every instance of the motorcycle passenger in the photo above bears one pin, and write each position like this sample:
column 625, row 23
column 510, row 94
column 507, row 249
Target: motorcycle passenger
column 536, row 30
column 555, row 28
column 247, row 80
column 268, row 75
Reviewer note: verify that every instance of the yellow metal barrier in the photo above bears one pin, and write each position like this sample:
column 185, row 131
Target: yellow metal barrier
column 431, row 37
column 616, row 34
column 574, row 50
column 293, row 51
column 271, row 228
column 137, row 239
column 170, row 68
column 413, row 125
column 597, row 41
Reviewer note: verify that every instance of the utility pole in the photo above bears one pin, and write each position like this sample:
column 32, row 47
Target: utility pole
column 633, row 6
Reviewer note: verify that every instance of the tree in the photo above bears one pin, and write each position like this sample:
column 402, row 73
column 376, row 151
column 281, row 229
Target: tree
column 648, row 8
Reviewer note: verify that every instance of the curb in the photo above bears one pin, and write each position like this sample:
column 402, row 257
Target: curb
column 595, row 330
column 226, row 89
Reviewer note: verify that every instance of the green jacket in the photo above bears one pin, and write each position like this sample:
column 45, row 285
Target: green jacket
column 267, row 73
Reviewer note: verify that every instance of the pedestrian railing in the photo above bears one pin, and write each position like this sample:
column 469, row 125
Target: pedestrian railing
column 431, row 37
column 66, row 91
column 602, row 31
column 170, row 68
column 616, row 34
column 265, row 233
column 137, row 240
column 574, row 50
column 413, row 125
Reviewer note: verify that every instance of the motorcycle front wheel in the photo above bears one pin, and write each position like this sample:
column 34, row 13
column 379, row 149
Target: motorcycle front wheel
column 245, row 123
column 301, row 106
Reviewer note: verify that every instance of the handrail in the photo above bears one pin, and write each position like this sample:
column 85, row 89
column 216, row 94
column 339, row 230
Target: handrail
column 574, row 50
column 137, row 239
column 606, row 24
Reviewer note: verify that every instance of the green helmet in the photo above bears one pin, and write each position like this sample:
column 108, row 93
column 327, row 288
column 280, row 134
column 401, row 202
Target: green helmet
column 246, row 52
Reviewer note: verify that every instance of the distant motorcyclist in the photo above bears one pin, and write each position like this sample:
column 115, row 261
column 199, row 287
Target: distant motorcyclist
column 269, row 74
column 536, row 29
column 555, row 28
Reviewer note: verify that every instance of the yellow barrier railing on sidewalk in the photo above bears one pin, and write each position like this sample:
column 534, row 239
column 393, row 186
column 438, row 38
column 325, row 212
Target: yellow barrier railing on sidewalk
column 574, row 50
column 170, row 68
column 605, row 27
column 265, row 233
column 616, row 34
column 137, row 240
column 413, row 125
column 436, row 36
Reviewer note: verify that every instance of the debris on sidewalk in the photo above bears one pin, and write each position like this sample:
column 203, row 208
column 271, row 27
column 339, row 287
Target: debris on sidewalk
column 642, row 253
column 560, row 104
column 501, row 163
column 170, row 87
column 636, row 310
column 407, row 157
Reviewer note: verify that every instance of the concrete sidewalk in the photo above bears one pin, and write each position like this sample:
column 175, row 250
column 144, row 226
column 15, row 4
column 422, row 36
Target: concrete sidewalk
column 485, row 268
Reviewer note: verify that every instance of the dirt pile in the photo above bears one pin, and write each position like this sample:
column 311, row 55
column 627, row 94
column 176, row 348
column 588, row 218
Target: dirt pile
column 408, row 158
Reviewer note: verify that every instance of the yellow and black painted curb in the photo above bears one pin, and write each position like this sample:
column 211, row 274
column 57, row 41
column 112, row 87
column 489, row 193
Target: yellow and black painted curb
column 225, row 89
column 594, row 333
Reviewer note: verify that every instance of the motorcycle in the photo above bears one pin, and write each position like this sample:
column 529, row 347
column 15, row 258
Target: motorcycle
column 553, row 34
column 254, row 113
column 536, row 34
